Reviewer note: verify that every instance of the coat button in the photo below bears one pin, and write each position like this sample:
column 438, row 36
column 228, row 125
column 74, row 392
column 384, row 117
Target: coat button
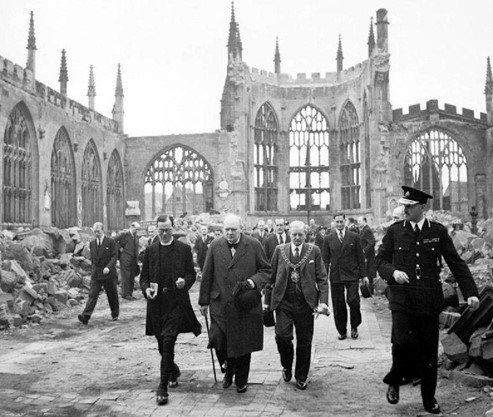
column 417, row 243
column 417, row 255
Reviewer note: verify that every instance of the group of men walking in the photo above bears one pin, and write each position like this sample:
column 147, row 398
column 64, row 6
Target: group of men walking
column 291, row 275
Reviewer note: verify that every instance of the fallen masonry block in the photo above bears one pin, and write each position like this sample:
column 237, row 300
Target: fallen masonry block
column 17, row 320
column 448, row 318
column 86, row 265
column 455, row 348
column 21, row 307
column 469, row 321
column 26, row 296
column 487, row 350
column 61, row 295
column 475, row 351
column 35, row 318
column 8, row 281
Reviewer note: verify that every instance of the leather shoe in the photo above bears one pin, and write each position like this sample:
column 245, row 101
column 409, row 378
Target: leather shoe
column 354, row 333
column 161, row 396
column 433, row 407
column 287, row 375
column 83, row 319
column 301, row 384
column 129, row 297
column 114, row 318
column 240, row 389
column 228, row 379
column 393, row 394
column 342, row 336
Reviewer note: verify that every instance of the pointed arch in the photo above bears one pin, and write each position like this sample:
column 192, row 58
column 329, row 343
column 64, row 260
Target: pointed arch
column 266, row 137
column 350, row 152
column 309, row 160
column 436, row 164
column 178, row 180
column 92, row 195
column 114, row 193
column 20, row 162
column 63, row 187
column 367, row 155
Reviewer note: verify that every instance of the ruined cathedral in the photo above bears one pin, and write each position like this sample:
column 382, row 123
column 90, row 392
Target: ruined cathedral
column 299, row 146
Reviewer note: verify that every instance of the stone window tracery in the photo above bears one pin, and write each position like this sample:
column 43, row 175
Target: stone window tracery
column 92, row 207
column 114, row 193
column 63, row 190
column 309, row 161
column 436, row 164
column 266, row 134
column 350, row 158
column 178, row 181
column 17, row 163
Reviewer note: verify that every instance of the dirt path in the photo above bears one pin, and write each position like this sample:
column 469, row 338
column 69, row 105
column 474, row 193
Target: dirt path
column 62, row 368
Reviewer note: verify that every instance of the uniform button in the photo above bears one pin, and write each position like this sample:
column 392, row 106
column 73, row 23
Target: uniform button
column 417, row 255
column 417, row 243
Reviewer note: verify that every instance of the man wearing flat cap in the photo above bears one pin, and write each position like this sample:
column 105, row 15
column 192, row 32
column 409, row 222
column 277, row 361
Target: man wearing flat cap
column 410, row 260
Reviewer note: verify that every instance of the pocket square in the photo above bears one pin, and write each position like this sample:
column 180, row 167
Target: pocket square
column 311, row 262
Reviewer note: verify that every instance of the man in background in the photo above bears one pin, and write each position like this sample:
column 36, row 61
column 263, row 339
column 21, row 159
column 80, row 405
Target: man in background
column 128, row 243
column 201, row 245
column 367, row 239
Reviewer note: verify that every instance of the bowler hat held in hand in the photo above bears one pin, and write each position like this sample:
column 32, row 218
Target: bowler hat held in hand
column 246, row 297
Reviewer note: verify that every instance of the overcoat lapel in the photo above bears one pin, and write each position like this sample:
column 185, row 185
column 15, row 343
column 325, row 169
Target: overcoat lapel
column 239, row 252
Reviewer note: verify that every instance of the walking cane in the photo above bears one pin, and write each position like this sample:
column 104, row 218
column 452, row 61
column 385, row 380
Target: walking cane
column 212, row 355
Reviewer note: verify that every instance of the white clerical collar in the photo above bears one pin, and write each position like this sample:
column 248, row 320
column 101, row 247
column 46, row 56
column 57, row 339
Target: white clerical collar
column 167, row 244
column 420, row 224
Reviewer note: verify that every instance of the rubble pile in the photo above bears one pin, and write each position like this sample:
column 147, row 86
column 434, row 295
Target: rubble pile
column 38, row 276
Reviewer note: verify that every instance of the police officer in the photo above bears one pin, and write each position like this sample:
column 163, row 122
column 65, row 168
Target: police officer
column 409, row 259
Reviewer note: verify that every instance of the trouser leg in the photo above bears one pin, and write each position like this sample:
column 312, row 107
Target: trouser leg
column 339, row 306
column 428, row 335
column 353, row 301
column 92, row 299
column 284, row 335
column 112, row 294
column 242, row 369
column 303, row 323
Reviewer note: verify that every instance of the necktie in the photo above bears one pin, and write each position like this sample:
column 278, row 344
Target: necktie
column 99, row 242
column 281, row 240
column 341, row 237
column 296, row 252
column 416, row 230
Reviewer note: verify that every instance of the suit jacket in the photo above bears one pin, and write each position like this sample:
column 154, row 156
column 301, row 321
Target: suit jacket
column 262, row 238
column 104, row 256
column 181, row 262
column 270, row 244
column 201, row 249
column 345, row 262
column 313, row 277
column 128, row 249
column 367, row 240
column 243, row 330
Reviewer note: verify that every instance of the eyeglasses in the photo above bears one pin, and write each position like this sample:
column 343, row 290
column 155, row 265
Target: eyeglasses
column 167, row 230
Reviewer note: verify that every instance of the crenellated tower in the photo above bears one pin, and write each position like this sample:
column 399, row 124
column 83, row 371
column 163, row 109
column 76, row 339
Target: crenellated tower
column 31, row 47
column 277, row 58
column 91, row 89
column 371, row 40
column 63, row 78
column 118, row 111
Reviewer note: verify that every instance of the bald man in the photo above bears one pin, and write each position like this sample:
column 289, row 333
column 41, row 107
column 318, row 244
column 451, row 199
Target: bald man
column 234, row 261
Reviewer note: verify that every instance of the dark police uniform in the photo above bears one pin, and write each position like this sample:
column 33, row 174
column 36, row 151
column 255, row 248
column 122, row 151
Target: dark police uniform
column 416, row 306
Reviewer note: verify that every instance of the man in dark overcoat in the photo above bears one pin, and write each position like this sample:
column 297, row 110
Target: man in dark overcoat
column 296, row 290
column 345, row 261
column 202, row 245
column 367, row 239
column 278, row 238
column 104, row 254
column 167, row 275
column 410, row 260
column 128, row 243
column 234, row 260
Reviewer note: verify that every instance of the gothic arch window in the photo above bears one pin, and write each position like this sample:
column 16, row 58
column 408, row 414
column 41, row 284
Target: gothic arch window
column 114, row 192
column 350, row 158
column 63, row 196
column 266, row 135
column 92, row 196
column 309, row 161
column 367, row 154
column 17, row 169
column 178, row 181
column 436, row 164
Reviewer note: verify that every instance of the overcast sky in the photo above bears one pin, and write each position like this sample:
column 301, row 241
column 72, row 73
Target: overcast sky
column 173, row 52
